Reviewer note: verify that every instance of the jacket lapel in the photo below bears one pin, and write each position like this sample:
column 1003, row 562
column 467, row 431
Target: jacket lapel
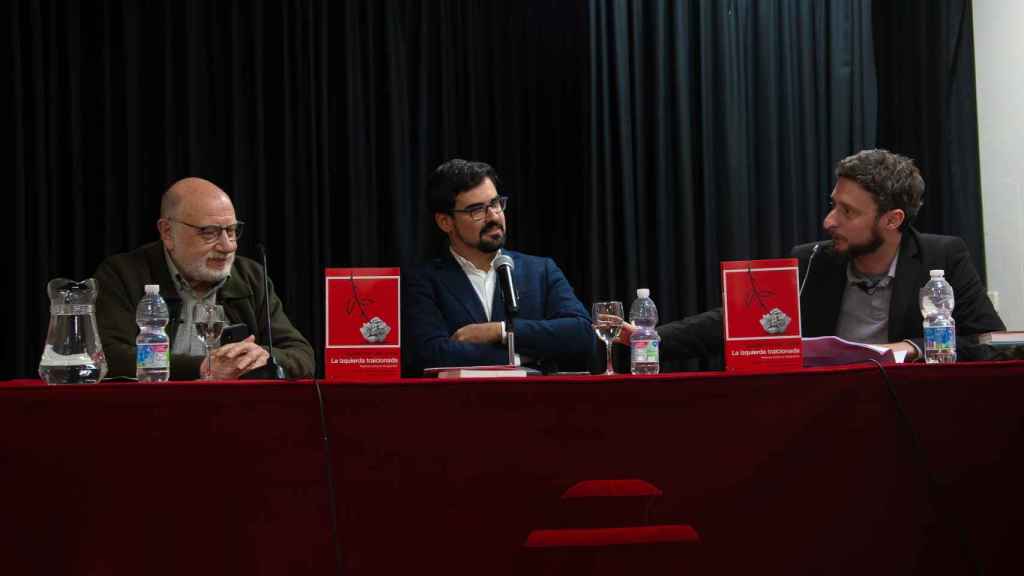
column 498, row 305
column 159, row 272
column 823, row 293
column 905, row 293
column 455, row 281
column 233, row 294
column 157, row 262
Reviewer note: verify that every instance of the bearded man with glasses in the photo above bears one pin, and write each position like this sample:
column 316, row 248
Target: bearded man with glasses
column 194, row 262
column 452, row 313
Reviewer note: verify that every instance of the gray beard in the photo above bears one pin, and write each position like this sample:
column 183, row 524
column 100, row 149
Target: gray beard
column 199, row 271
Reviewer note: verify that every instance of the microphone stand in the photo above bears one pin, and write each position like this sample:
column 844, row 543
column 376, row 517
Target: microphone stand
column 807, row 272
column 510, row 334
column 508, row 296
column 272, row 366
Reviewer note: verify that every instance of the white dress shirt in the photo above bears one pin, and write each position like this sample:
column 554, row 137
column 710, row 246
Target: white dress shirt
column 483, row 284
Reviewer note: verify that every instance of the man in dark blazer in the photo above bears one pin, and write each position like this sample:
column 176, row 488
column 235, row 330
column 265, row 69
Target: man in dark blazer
column 453, row 313
column 863, row 285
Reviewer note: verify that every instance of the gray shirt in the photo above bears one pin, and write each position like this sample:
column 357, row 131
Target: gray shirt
column 186, row 342
column 864, row 313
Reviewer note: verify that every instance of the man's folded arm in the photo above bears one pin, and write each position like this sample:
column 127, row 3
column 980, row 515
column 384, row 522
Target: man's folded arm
column 973, row 311
column 565, row 331
column 426, row 340
column 571, row 336
column 697, row 336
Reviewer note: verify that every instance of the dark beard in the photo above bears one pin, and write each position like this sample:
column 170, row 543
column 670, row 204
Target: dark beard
column 487, row 246
column 870, row 247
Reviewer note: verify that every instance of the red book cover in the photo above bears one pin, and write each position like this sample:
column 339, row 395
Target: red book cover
column 761, row 306
column 363, row 331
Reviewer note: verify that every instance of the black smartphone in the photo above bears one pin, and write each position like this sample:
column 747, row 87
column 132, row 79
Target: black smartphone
column 234, row 333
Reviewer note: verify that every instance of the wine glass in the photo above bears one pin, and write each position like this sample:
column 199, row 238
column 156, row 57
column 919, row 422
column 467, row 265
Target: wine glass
column 608, row 323
column 209, row 322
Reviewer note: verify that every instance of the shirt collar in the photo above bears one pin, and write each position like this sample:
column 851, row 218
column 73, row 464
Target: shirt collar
column 869, row 283
column 468, row 266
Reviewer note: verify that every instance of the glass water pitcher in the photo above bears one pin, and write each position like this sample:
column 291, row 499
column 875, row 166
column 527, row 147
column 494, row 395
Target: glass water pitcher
column 73, row 352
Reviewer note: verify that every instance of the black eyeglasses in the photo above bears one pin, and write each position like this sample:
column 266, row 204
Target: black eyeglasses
column 478, row 211
column 211, row 234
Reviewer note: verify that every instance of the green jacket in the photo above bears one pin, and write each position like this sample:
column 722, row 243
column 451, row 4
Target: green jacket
column 122, row 279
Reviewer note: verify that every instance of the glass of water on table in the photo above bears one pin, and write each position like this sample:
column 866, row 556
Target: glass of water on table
column 607, row 318
column 209, row 321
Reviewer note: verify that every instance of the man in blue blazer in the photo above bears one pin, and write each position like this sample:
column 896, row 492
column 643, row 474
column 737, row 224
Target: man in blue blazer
column 452, row 309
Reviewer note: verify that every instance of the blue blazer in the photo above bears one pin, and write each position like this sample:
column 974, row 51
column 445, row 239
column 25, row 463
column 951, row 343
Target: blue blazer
column 552, row 326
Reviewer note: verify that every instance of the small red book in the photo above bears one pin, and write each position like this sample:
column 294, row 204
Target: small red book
column 761, row 306
column 362, row 324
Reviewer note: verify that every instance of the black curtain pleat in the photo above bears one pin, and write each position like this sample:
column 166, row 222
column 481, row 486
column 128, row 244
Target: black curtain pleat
column 641, row 141
column 926, row 86
column 715, row 127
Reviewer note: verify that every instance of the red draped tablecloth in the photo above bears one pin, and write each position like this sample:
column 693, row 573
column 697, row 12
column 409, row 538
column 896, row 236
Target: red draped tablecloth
column 805, row 472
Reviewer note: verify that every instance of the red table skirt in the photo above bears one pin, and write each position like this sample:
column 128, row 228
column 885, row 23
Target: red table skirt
column 806, row 472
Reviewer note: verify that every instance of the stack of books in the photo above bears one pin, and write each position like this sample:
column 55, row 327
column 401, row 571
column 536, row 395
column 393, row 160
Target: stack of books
column 478, row 371
column 1010, row 338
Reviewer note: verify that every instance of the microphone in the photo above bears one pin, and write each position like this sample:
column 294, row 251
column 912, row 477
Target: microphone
column 272, row 366
column 814, row 252
column 504, row 266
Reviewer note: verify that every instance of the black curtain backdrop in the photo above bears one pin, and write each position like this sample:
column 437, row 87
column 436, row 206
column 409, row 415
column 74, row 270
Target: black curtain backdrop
column 925, row 64
column 641, row 141
column 714, row 129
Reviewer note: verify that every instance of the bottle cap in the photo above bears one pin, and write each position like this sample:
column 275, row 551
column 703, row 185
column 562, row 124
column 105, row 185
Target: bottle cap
column 152, row 288
column 937, row 273
column 643, row 292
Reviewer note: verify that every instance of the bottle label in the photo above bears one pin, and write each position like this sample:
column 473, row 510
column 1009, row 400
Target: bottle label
column 940, row 338
column 152, row 356
column 645, row 350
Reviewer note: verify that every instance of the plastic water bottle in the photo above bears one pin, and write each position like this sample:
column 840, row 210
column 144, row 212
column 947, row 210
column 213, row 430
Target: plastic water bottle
column 939, row 327
column 644, row 343
column 152, row 347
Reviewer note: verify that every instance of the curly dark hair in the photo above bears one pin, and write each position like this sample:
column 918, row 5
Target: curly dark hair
column 453, row 178
column 893, row 180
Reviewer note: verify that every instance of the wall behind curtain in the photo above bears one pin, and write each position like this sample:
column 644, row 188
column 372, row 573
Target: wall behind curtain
column 641, row 141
